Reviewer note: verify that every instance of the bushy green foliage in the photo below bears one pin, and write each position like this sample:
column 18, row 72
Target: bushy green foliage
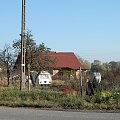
column 116, row 96
column 106, row 96
column 111, row 97
column 58, row 83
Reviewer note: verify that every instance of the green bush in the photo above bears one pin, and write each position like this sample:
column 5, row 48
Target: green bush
column 116, row 96
column 106, row 96
column 58, row 83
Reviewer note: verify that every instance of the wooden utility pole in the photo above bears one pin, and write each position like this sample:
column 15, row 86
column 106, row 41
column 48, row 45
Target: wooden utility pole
column 23, row 45
column 81, row 84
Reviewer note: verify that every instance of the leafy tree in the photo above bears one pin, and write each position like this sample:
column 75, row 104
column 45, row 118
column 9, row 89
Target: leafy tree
column 30, row 43
column 36, row 56
column 30, row 48
column 42, row 60
column 96, row 68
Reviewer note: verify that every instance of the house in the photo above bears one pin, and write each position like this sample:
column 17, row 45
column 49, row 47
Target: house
column 67, row 65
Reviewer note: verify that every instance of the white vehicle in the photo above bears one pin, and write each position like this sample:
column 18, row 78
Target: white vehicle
column 44, row 78
column 95, row 75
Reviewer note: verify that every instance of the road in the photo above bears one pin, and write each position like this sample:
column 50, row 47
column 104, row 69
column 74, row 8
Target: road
column 7, row 113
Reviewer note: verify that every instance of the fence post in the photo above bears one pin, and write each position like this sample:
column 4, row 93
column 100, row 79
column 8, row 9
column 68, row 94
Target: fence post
column 28, row 77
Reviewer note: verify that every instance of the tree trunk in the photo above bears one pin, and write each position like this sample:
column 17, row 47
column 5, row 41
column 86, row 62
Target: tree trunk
column 8, row 77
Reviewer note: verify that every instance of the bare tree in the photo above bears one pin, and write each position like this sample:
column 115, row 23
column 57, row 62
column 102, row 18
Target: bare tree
column 85, row 63
column 7, row 58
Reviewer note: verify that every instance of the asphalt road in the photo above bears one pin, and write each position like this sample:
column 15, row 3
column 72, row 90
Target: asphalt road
column 7, row 113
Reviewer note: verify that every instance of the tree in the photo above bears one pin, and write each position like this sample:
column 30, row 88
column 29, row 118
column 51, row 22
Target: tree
column 42, row 60
column 36, row 56
column 7, row 57
column 96, row 66
column 30, row 43
column 30, row 49
column 85, row 63
column 112, row 75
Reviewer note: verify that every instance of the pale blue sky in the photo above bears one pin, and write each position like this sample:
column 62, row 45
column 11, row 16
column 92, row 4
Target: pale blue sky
column 89, row 28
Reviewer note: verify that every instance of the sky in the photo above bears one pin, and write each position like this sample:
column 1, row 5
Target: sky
column 89, row 28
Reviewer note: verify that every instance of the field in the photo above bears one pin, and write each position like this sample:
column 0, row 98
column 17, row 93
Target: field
column 59, row 96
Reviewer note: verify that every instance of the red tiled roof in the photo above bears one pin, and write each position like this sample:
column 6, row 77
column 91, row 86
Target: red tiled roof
column 65, row 60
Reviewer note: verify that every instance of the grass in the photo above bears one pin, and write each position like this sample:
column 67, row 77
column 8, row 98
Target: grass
column 45, row 97
column 39, row 98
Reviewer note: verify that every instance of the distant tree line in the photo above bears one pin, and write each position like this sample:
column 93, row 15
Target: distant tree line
column 110, row 74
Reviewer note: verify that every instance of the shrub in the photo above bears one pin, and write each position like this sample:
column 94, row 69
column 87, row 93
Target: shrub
column 106, row 96
column 116, row 96
column 58, row 83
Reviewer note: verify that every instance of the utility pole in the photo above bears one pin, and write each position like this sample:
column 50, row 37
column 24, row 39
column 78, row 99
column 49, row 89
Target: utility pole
column 23, row 45
column 81, row 84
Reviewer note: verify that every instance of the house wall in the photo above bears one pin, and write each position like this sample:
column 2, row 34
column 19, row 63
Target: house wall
column 77, row 74
column 55, row 72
